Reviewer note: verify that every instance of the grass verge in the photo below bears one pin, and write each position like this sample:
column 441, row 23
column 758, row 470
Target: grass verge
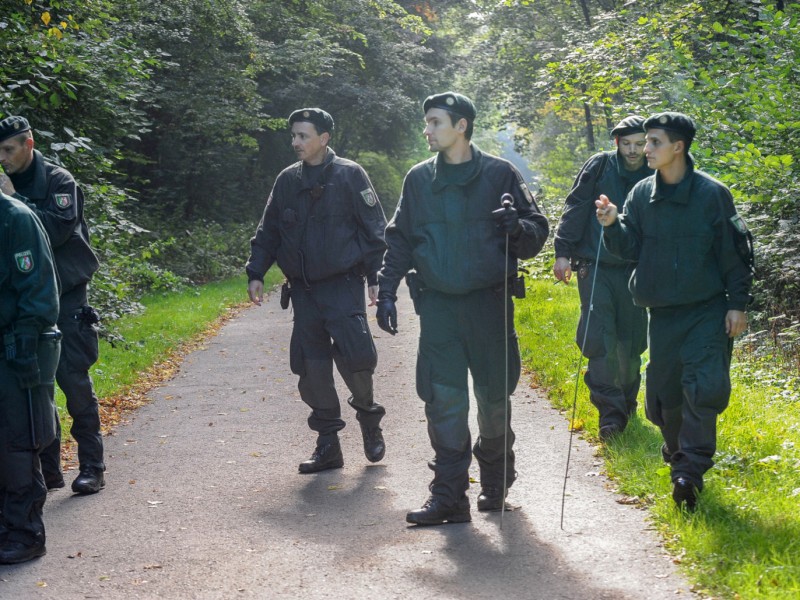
column 744, row 540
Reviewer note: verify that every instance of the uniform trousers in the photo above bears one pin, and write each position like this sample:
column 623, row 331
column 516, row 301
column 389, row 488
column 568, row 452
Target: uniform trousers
column 79, row 351
column 461, row 334
column 27, row 423
column 614, row 342
column 330, row 326
column 688, row 383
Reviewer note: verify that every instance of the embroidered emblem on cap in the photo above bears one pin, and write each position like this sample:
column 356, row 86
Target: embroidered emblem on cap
column 370, row 199
column 306, row 114
column 450, row 101
column 663, row 119
column 63, row 200
column 24, row 261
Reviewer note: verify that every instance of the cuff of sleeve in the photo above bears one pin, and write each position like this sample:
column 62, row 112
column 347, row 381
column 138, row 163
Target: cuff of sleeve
column 252, row 275
column 372, row 279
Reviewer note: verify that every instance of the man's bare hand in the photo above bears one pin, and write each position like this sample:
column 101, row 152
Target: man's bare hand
column 562, row 269
column 5, row 185
column 606, row 211
column 255, row 289
column 735, row 322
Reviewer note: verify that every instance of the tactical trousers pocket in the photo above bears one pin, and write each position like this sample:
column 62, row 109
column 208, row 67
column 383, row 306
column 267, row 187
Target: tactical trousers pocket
column 34, row 417
column 424, row 383
column 296, row 357
column 353, row 341
column 79, row 346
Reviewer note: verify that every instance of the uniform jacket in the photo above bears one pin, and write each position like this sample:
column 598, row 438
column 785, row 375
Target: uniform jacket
column 340, row 232
column 683, row 243
column 446, row 230
column 578, row 234
column 28, row 286
column 57, row 200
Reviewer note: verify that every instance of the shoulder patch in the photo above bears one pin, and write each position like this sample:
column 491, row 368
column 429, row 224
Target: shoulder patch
column 739, row 224
column 63, row 200
column 370, row 199
column 24, row 261
column 526, row 192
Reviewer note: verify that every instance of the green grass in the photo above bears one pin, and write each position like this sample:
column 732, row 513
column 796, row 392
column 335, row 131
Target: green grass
column 167, row 322
column 744, row 539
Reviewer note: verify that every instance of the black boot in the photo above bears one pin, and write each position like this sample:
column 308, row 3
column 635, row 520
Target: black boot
column 327, row 455
column 684, row 493
column 90, row 481
column 491, row 498
column 436, row 512
column 16, row 552
column 369, row 419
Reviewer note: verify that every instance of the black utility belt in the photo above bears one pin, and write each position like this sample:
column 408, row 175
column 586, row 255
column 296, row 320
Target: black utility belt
column 10, row 341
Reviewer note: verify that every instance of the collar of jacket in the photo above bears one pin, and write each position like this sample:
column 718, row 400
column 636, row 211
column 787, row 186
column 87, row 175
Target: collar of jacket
column 439, row 182
column 38, row 189
column 681, row 194
column 305, row 182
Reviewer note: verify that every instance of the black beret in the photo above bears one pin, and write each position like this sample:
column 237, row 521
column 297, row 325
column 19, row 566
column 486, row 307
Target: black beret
column 628, row 126
column 673, row 121
column 458, row 104
column 11, row 126
column 321, row 119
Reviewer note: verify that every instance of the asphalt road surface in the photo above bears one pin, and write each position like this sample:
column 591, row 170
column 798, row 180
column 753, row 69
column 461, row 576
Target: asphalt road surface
column 203, row 499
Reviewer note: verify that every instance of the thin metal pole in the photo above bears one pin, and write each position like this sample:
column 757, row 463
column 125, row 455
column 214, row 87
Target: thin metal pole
column 506, row 200
column 578, row 375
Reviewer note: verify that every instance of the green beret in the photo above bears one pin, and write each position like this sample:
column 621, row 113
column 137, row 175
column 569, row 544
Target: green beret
column 11, row 126
column 673, row 121
column 452, row 102
column 318, row 117
column 628, row 126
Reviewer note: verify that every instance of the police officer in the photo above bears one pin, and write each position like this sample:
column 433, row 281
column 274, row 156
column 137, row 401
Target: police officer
column 450, row 231
column 28, row 313
column 617, row 329
column 323, row 225
column 54, row 196
column 693, row 272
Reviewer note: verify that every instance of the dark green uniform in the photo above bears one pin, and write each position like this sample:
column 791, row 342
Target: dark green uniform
column 689, row 274
column 617, row 333
column 28, row 309
column 57, row 200
column 444, row 229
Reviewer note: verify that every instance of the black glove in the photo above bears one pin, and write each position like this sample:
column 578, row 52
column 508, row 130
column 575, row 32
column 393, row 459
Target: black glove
column 507, row 220
column 387, row 313
column 25, row 362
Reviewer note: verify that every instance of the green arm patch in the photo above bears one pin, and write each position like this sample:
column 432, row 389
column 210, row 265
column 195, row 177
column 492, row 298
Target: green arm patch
column 63, row 200
column 24, row 261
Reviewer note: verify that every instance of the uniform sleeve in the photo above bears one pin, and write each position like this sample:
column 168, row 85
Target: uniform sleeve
column 264, row 244
column 32, row 275
column 624, row 237
column 535, row 227
column 734, row 270
column 61, row 211
column 397, row 261
column 371, row 225
column 578, row 209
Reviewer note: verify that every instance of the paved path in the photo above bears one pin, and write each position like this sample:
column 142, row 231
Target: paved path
column 204, row 499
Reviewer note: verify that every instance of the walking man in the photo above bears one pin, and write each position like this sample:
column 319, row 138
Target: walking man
column 450, row 233
column 693, row 273
column 54, row 196
column 324, row 226
column 617, row 328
